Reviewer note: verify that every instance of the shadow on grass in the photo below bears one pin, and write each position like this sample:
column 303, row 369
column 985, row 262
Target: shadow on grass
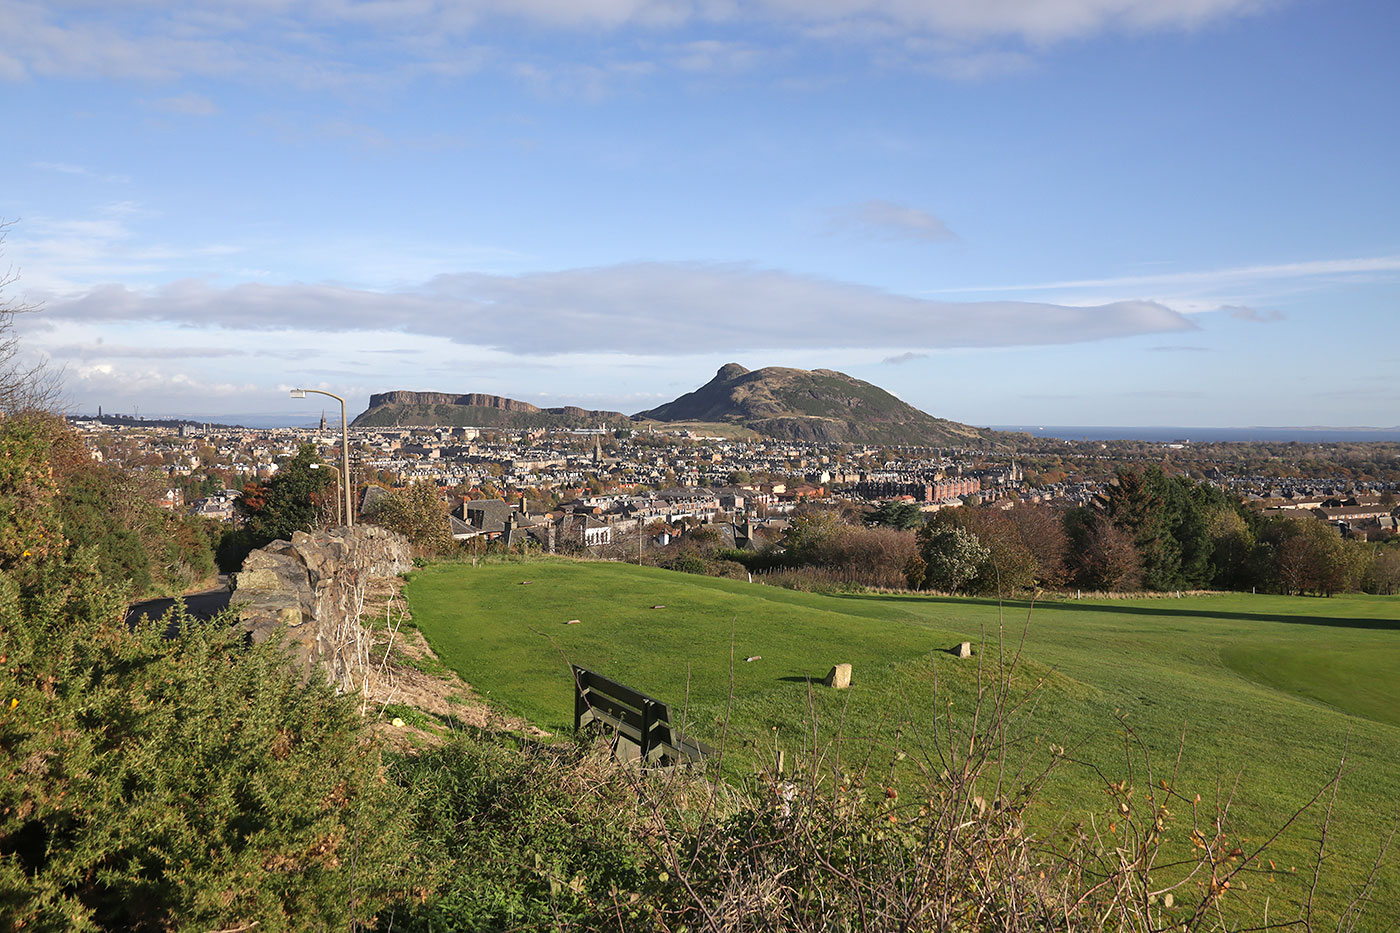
column 1056, row 606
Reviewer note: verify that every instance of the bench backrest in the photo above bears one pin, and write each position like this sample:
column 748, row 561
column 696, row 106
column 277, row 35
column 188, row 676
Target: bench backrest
column 642, row 720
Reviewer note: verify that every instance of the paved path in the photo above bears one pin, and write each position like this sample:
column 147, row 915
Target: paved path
column 204, row 605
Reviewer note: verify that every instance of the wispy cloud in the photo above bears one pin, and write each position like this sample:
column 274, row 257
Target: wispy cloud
column 683, row 308
column 67, row 168
column 1213, row 277
column 92, row 351
column 66, row 254
column 581, row 81
column 188, row 104
column 980, row 65
column 1178, row 348
column 902, row 358
column 1257, row 315
column 321, row 44
column 890, row 220
column 1166, row 394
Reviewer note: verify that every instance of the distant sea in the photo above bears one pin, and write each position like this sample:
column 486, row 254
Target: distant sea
column 1308, row 435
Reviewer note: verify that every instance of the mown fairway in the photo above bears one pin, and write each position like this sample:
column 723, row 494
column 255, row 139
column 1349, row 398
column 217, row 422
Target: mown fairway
column 1272, row 691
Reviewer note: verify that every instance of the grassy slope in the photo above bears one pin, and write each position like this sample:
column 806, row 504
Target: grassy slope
column 1270, row 688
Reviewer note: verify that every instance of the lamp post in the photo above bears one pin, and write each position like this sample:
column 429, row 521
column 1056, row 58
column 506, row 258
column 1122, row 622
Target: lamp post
column 344, row 448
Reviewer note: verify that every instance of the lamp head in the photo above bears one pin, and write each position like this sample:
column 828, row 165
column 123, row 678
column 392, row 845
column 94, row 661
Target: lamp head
column 298, row 393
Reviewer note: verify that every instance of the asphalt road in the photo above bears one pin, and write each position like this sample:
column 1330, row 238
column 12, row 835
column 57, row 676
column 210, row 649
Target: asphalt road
column 204, row 605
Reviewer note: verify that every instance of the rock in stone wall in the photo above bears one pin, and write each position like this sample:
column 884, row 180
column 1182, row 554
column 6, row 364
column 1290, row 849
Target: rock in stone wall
column 309, row 584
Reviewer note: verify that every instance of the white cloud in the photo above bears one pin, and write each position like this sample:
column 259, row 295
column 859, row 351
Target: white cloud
column 323, row 43
column 679, row 308
column 888, row 219
column 127, row 382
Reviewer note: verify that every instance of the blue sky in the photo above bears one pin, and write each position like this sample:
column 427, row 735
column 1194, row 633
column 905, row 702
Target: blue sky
column 1127, row 212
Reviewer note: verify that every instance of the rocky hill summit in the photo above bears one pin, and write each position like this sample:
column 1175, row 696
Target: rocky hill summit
column 819, row 405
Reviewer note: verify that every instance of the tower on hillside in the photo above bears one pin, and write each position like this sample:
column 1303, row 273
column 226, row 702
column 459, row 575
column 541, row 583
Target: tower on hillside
column 323, row 419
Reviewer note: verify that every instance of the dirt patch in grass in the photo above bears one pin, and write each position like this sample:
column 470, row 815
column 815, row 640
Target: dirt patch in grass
column 411, row 675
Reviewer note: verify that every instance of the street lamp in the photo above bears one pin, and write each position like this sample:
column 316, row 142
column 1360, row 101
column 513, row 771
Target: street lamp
column 344, row 448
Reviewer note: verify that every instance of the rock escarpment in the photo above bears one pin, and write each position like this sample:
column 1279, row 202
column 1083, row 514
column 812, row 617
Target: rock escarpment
column 446, row 409
column 313, row 587
column 402, row 397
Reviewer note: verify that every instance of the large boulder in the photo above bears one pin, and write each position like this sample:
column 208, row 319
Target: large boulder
column 839, row 678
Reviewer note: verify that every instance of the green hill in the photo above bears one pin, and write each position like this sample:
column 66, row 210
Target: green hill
column 1265, row 692
column 819, row 405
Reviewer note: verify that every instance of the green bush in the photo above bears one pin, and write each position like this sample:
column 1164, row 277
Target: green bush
column 55, row 501
column 526, row 838
column 169, row 782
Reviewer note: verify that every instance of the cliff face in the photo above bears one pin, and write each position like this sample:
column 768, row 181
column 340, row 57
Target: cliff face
column 446, row 409
column 812, row 405
column 401, row 397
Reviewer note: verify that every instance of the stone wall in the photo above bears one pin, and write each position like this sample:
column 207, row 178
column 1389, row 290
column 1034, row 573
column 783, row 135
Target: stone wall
column 312, row 586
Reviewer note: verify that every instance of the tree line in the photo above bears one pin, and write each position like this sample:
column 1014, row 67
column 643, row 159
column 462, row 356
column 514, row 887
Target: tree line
column 1150, row 531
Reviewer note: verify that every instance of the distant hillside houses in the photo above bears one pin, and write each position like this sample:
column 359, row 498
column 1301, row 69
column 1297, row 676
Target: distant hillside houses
column 919, row 489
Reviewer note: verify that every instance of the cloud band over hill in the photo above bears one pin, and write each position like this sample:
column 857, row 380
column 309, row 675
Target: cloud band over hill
column 650, row 307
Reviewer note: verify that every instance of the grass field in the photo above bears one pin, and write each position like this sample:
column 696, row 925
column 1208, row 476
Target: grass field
column 1268, row 691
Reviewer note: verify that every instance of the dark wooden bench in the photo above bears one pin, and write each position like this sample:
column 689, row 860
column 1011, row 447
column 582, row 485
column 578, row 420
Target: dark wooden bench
column 640, row 725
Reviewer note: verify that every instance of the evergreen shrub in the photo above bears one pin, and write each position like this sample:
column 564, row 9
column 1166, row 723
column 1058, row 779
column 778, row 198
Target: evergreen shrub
column 158, row 780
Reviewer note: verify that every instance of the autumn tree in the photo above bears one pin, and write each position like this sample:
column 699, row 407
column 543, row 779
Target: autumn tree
column 951, row 556
column 1042, row 531
column 811, row 535
column 1009, row 565
column 1310, row 556
column 1383, row 572
column 1102, row 555
column 291, row 501
column 1232, row 546
column 418, row 514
